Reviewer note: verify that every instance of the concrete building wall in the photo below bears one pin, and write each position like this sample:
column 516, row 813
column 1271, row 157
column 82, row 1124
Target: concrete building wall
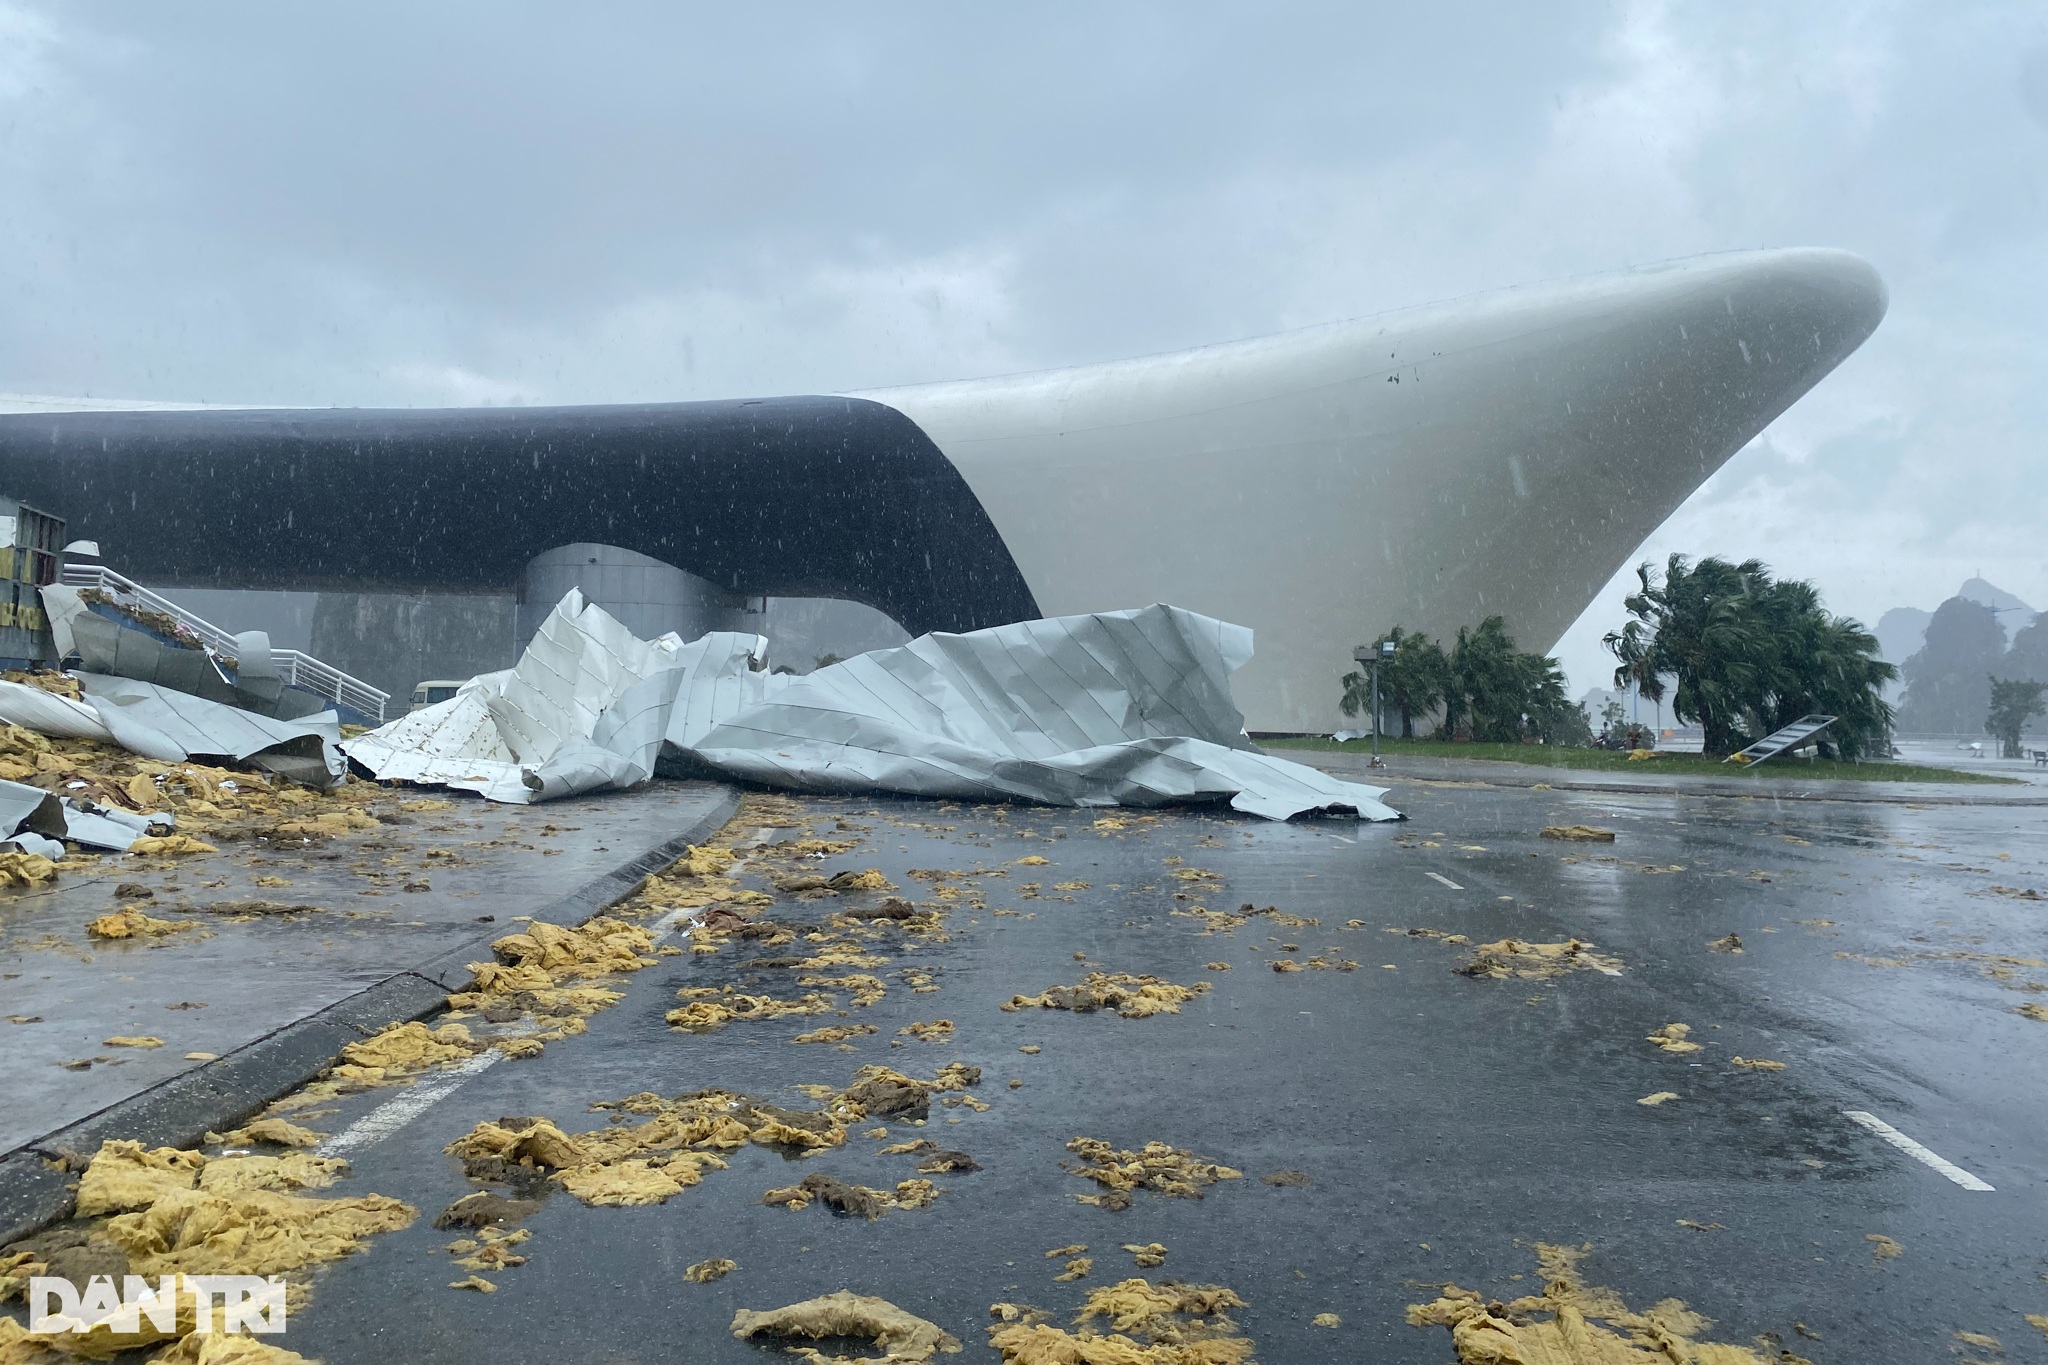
column 647, row 596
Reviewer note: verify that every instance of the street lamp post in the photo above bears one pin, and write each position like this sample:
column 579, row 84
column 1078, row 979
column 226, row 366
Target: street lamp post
column 1372, row 654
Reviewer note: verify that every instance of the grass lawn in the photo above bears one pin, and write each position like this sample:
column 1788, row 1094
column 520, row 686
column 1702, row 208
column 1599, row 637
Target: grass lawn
column 1608, row 760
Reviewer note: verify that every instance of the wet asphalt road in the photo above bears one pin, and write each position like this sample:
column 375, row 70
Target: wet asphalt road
column 238, row 978
column 1445, row 1122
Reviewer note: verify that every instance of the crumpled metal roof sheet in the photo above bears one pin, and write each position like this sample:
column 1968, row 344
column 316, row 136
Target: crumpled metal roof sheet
column 1128, row 708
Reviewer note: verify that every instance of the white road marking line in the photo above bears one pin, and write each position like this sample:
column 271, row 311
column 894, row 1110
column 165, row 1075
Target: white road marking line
column 1916, row 1151
column 1438, row 876
column 392, row 1115
column 1342, row 840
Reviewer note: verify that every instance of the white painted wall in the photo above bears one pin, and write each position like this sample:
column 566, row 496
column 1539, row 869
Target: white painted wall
column 1504, row 453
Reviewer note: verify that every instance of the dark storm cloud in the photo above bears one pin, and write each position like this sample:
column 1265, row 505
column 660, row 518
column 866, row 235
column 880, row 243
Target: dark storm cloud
column 505, row 203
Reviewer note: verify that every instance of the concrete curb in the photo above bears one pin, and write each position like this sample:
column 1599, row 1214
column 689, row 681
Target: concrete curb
column 35, row 1193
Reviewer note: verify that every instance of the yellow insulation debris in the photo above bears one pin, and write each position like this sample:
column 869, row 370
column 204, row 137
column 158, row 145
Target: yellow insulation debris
column 835, row 1033
column 1166, row 1170
column 1672, row 1038
column 727, row 1006
column 1132, row 997
column 132, row 923
column 1584, row 834
column 1571, row 1324
column 1513, row 957
column 704, row 1272
column 1166, row 1324
column 904, row 1338
column 404, row 1048
column 255, row 1232
column 177, row 845
column 126, row 1175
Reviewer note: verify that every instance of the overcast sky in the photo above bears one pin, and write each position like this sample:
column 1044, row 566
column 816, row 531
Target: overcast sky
column 504, row 203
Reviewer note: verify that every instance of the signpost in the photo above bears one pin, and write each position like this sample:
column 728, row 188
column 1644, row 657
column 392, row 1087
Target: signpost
column 1372, row 654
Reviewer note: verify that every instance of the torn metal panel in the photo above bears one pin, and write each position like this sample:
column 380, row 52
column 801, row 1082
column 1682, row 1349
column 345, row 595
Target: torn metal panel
column 1127, row 708
column 586, row 708
column 172, row 726
column 107, row 827
column 48, row 714
column 725, row 672
column 30, row 809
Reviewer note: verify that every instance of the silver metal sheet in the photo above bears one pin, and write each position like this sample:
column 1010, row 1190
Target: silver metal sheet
column 171, row 726
column 585, row 709
column 1129, row 708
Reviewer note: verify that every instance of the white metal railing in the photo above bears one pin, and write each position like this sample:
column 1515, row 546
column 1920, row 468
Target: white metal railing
column 294, row 669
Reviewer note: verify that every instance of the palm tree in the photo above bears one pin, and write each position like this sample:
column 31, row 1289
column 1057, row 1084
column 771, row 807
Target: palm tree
column 1749, row 654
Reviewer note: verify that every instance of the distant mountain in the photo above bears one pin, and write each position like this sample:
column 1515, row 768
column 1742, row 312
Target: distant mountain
column 1903, row 630
column 1996, row 598
column 1948, row 662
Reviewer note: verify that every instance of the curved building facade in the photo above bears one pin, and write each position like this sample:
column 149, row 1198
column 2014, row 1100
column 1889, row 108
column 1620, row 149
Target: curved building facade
column 1501, row 454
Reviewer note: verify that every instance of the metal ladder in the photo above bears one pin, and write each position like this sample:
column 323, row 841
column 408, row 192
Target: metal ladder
column 1778, row 741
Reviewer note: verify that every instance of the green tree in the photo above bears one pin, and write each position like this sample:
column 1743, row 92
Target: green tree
column 1503, row 695
column 1696, row 626
column 2014, row 702
column 1412, row 682
column 1748, row 654
column 1825, row 664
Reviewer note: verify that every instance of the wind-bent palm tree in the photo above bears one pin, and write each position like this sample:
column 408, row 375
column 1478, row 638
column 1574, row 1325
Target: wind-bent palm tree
column 1749, row 654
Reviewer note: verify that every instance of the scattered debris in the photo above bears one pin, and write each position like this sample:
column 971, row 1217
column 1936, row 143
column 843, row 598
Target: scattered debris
column 1660, row 1097
column 934, row 1031
column 1700, row 1227
column 403, row 1049
column 143, row 1040
column 490, row 1249
column 1075, row 1269
column 1171, row 1171
column 476, row 1282
column 1147, row 1254
column 1883, row 1248
column 704, row 1272
column 483, row 1209
column 905, row 1338
column 725, row 1005
column 835, row 1033
column 1672, row 1038
column 276, row 1131
column 1727, row 943
column 1513, row 957
column 1164, row 1324
column 1287, row 1179
column 1584, row 834
column 1326, row 1320
column 1132, row 997
column 1573, row 1324
column 1756, row 1063
column 2033, row 1011
column 132, row 923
